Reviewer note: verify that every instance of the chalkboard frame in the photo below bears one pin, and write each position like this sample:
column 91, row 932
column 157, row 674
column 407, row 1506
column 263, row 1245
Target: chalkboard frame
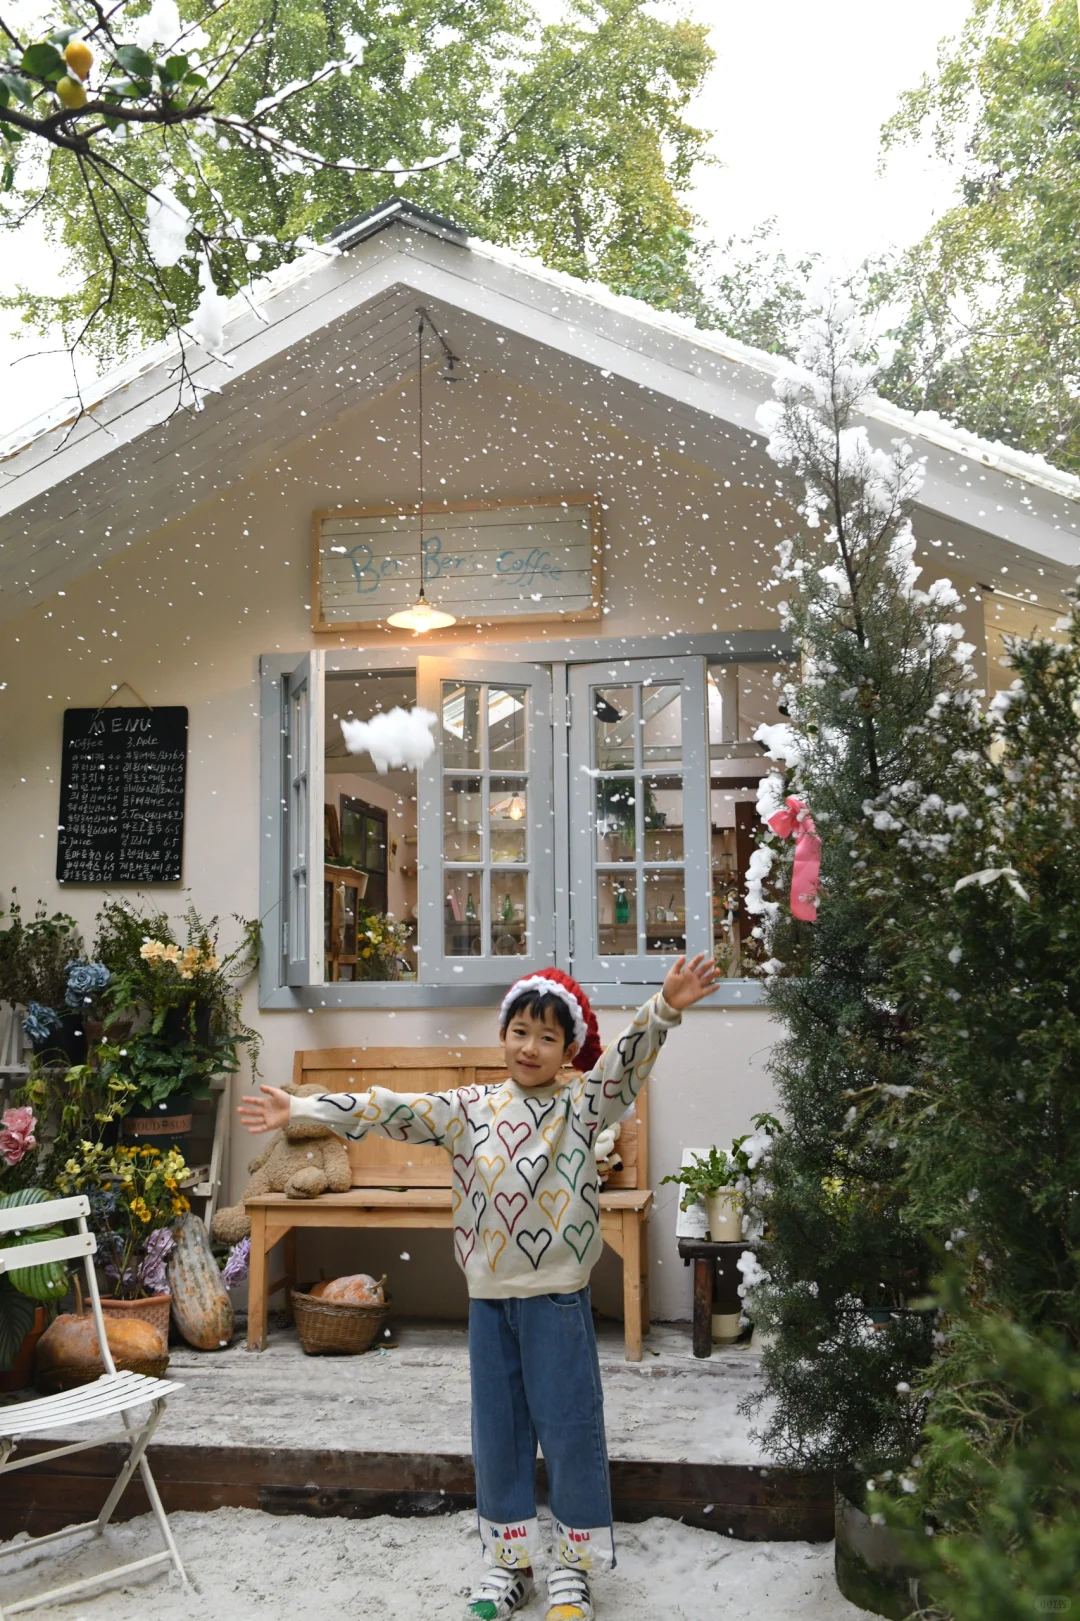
column 103, row 826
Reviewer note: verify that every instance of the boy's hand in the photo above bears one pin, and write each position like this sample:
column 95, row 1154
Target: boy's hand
column 688, row 982
column 270, row 1113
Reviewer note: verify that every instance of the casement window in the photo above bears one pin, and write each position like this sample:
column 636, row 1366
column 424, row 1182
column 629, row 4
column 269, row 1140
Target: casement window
column 588, row 806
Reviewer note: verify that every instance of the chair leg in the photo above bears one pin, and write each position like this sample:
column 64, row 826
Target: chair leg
column 134, row 1459
column 631, row 1238
column 161, row 1517
column 258, row 1301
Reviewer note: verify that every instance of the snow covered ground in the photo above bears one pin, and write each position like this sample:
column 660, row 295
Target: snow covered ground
column 251, row 1565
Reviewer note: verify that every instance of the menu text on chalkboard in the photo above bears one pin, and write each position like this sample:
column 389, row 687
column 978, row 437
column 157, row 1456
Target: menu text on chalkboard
column 122, row 785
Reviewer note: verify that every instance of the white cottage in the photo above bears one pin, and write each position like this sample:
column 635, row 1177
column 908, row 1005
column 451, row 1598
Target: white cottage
column 599, row 517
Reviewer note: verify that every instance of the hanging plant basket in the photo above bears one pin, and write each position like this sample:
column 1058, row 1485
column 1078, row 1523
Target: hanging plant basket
column 165, row 1127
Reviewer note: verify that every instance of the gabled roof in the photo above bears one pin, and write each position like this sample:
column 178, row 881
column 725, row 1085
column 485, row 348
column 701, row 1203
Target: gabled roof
column 74, row 492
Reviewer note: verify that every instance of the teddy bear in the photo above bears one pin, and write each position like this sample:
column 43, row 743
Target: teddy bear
column 301, row 1161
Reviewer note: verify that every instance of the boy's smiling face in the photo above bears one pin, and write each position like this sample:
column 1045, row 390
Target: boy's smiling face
column 535, row 1049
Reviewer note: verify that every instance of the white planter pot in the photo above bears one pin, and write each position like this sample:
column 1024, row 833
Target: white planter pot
column 724, row 1216
column 725, row 1327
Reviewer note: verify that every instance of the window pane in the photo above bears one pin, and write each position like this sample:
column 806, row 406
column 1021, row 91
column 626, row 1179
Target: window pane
column 461, row 724
column 665, row 911
column 616, row 913
column 462, row 831
column 661, row 723
column 662, row 812
column 374, row 844
column 508, row 818
column 613, row 727
column 463, row 900
column 616, row 818
column 506, row 728
column 509, row 926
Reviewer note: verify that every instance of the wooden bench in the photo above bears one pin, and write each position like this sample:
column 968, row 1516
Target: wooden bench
column 405, row 1185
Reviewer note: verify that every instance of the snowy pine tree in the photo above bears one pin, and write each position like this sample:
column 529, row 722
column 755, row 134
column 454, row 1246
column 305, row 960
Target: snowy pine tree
column 842, row 1261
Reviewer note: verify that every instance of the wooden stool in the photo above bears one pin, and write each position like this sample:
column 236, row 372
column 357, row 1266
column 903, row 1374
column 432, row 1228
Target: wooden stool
column 716, row 1284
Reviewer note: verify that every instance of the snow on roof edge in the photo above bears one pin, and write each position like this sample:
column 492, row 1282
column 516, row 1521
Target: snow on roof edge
column 1026, row 466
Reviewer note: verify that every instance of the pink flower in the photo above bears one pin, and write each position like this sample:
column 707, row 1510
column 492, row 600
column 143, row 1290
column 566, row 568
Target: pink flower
column 16, row 1134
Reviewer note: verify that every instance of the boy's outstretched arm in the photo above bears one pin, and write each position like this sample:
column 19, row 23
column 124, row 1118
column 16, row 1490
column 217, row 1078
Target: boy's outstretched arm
column 610, row 1089
column 417, row 1117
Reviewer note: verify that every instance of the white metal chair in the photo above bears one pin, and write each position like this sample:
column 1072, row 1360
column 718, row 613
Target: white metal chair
column 111, row 1395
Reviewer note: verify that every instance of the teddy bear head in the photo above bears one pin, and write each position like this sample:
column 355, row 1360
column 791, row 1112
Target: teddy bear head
column 299, row 1131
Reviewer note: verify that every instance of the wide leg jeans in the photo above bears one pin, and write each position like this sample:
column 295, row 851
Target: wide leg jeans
column 536, row 1377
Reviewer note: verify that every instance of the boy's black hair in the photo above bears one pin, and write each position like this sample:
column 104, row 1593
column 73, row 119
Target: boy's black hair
column 540, row 1004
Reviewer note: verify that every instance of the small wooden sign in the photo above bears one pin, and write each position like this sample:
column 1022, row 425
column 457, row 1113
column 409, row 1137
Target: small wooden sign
column 532, row 562
column 122, row 782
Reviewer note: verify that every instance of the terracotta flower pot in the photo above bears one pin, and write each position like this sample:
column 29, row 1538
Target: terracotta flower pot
column 152, row 1309
column 21, row 1373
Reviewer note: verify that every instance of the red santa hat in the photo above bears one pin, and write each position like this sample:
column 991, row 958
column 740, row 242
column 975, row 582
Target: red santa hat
column 552, row 981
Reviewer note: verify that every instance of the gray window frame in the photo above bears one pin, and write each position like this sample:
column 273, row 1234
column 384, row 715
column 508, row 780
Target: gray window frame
column 276, row 669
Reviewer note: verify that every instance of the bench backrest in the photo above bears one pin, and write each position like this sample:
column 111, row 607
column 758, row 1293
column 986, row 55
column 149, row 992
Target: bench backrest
column 379, row 1163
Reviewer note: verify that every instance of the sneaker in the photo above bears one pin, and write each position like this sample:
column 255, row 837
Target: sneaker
column 499, row 1594
column 568, row 1595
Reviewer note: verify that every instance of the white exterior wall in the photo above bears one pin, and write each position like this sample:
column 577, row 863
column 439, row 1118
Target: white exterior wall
column 184, row 617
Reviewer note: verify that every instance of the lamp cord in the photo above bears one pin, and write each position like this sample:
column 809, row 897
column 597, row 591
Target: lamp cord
column 420, row 419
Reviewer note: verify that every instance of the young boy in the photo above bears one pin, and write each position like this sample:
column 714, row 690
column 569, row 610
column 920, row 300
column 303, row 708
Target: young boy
column 526, row 1212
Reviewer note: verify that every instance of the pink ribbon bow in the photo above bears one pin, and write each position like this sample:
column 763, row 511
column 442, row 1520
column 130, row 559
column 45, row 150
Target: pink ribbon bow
column 793, row 820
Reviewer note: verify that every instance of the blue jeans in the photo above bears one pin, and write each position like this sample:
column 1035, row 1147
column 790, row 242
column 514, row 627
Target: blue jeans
column 536, row 1377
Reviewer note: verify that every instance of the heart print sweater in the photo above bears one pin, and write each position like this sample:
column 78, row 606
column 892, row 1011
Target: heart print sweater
column 525, row 1192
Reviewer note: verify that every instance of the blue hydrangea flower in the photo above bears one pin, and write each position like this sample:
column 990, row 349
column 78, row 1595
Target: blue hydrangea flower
column 84, row 980
column 40, row 1021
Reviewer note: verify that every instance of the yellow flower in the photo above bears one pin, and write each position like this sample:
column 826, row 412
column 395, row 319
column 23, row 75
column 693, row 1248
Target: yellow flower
column 151, row 950
column 180, row 1206
column 170, row 1183
column 191, row 956
column 210, row 961
column 171, row 954
column 140, row 1209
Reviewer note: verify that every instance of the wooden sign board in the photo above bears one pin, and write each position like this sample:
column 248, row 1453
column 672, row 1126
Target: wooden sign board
column 122, row 783
column 531, row 562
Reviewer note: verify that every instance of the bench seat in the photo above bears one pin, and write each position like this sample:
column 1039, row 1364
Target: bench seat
column 415, row 1187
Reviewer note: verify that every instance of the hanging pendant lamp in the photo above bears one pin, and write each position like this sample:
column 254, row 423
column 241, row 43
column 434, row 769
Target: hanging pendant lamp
column 422, row 615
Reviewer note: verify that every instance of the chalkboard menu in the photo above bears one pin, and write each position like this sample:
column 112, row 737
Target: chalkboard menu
column 122, row 796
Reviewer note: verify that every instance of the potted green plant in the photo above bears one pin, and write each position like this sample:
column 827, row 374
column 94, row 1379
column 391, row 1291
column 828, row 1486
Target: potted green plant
column 180, row 996
column 136, row 1195
column 712, row 1181
column 715, row 1179
column 35, row 958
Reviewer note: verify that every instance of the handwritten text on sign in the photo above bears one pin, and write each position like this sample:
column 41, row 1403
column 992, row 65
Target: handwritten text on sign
column 122, row 785
column 499, row 562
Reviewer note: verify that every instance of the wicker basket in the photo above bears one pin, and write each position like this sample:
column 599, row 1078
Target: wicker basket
column 152, row 1309
column 325, row 1327
column 58, row 1379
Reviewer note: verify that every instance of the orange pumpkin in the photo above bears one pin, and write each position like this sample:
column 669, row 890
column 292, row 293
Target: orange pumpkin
column 358, row 1289
column 68, row 1352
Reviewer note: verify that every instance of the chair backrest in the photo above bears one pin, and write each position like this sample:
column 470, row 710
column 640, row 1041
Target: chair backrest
column 379, row 1163
column 80, row 1245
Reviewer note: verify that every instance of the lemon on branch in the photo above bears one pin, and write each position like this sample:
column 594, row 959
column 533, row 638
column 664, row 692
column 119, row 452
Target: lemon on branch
column 71, row 93
column 79, row 57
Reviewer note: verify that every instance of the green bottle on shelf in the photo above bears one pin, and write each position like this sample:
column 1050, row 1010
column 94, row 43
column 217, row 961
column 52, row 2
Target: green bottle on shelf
column 622, row 906
column 470, row 908
column 508, row 909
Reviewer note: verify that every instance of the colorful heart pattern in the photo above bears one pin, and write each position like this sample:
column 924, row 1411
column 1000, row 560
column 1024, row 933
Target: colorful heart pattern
column 534, row 1245
column 531, row 1170
column 554, row 1205
column 494, row 1244
column 513, row 1137
column 582, row 1238
column 511, row 1207
column 569, row 1166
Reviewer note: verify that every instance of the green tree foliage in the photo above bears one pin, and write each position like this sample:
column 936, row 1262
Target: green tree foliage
column 988, row 977
column 990, row 328
column 844, row 1261
column 573, row 139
